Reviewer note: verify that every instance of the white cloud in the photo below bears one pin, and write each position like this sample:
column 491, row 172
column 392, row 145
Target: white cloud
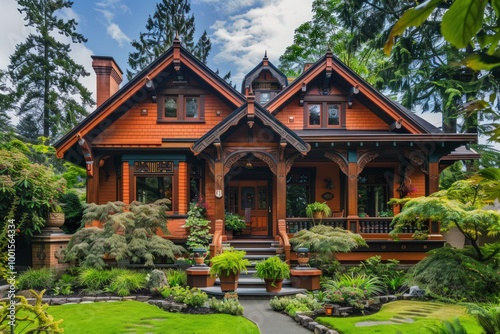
column 244, row 38
column 230, row 6
column 117, row 34
column 108, row 8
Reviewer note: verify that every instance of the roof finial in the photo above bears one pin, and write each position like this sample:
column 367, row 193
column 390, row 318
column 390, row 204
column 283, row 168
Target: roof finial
column 265, row 54
column 177, row 34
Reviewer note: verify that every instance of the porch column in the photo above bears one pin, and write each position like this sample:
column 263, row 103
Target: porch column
column 352, row 184
column 280, row 193
column 433, row 177
column 219, row 189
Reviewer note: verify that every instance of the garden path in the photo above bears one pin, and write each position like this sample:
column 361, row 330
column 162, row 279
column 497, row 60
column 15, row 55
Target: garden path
column 268, row 320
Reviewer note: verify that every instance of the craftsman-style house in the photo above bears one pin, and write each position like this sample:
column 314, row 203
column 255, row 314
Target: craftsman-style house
column 178, row 131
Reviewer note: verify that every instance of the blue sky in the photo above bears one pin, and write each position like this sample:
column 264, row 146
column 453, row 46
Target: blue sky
column 240, row 30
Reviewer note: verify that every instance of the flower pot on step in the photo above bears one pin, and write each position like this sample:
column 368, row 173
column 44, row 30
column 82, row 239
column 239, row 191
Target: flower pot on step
column 273, row 285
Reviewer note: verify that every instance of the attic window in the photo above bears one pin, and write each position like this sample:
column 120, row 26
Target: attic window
column 322, row 115
column 181, row 108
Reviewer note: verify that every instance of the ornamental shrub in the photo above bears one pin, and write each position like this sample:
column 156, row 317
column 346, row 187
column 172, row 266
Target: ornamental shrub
column 227, row 305
column 38, row 279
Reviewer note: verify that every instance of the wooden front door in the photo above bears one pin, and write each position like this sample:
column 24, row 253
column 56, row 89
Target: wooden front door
column 251, row 200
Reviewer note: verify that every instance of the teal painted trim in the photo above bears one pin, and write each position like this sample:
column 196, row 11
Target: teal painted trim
column 352, row 156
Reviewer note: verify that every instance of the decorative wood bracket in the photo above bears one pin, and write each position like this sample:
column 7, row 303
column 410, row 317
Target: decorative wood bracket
column 365, row 157
column 419, row 159
column 87, row 155
column 339, row 159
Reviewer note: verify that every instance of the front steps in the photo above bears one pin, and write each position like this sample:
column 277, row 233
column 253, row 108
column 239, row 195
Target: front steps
column 250, row 287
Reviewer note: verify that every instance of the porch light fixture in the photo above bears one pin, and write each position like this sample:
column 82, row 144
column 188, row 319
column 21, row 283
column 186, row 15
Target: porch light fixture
column 249, row 165
column 144, row 112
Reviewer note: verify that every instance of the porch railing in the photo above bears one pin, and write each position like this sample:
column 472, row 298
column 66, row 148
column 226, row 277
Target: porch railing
column 362, row 225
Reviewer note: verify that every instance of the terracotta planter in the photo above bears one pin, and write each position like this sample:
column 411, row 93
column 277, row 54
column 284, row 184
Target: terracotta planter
column 55, row 219
column 318, row 214
column 229, row 283
column 199, row 255
column 328, row 309
column 278, row 284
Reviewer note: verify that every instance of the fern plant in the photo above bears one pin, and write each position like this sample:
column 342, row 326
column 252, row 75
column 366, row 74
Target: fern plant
column 272, row 268
column 229, row 262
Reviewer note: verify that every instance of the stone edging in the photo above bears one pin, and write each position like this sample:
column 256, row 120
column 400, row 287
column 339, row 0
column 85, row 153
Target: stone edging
column 163, row 304
column 303, row 319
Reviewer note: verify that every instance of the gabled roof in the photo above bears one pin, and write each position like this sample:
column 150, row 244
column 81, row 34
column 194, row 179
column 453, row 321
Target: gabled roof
column 258, row 112
column 134, row 91
column 344, row 77
column 265, row 64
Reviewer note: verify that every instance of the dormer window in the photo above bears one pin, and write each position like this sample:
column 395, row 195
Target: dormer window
column 322, row 115
column 180, row 108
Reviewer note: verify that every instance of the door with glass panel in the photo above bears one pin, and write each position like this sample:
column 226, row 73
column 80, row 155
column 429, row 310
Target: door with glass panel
column 251, row 200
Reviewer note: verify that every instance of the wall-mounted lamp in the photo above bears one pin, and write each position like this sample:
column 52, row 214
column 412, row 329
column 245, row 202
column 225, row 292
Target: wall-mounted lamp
column 291, row 119
column 328, row 183
column 249, row 165
column 218, row 113
column 153, row 98
column 144, row 112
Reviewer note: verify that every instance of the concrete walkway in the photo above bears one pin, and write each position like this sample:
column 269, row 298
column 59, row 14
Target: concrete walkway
column 268, row 320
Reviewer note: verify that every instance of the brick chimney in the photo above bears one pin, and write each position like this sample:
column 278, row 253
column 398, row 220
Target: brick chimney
column 109, row 76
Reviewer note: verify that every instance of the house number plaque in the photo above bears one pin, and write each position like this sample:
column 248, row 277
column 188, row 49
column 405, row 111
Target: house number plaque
column 218, row 193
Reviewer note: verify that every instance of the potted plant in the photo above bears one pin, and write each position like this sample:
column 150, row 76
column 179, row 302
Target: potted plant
column 227, row 266
column 273, row 271
column 199, row 254
column 55, row 217
column 233, row 223
column 302, row 256
column 318, row 210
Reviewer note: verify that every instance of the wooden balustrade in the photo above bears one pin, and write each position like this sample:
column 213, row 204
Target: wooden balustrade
column 361, row 225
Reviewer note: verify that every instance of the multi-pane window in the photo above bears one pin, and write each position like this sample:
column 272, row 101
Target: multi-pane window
column 180, row 108
column 322, row 115
column 154, row 180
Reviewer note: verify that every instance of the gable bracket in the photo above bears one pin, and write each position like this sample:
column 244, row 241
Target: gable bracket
column 303, row 92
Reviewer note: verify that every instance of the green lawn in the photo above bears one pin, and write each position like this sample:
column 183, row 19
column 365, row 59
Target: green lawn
column 137, row 317
column 423, row 314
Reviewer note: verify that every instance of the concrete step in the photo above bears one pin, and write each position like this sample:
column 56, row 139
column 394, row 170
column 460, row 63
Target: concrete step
column 252, row 243
column 253, row 293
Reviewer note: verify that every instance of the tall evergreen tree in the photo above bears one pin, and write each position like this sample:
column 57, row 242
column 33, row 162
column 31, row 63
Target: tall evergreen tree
column 44, row 79
column 29, row 128
column 171, row 18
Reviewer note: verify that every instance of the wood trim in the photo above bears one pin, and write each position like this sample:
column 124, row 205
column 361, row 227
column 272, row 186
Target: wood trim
column 131, row 181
